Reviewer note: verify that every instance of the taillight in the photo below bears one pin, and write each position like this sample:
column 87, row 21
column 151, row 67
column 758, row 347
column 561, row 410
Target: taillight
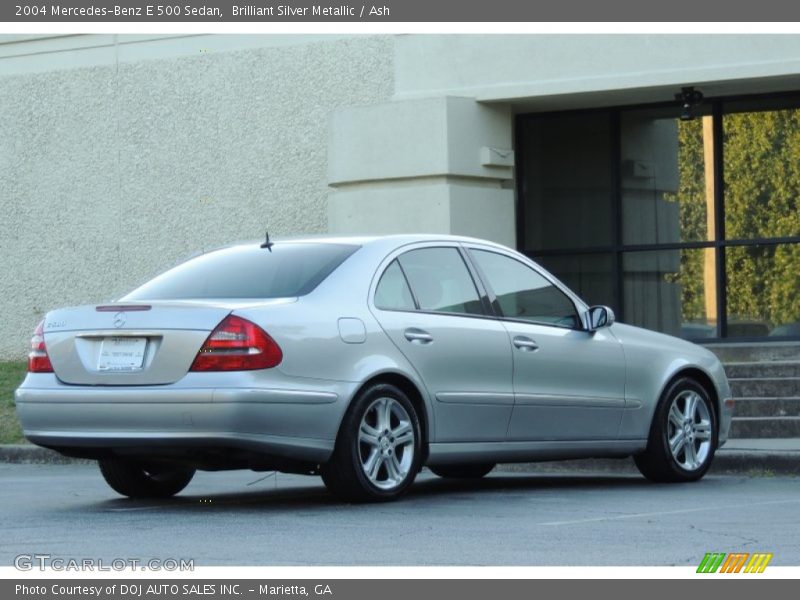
column 237, row 345
column 38, row 361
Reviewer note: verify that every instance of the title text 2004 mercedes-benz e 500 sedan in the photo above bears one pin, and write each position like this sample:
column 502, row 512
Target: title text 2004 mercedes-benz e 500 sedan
column 362, row 359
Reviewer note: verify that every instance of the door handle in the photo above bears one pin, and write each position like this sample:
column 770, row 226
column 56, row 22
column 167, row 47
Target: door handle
column 525, row 344
column 418, row 336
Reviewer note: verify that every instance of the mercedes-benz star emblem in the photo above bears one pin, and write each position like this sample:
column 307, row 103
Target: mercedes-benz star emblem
column 119, row 320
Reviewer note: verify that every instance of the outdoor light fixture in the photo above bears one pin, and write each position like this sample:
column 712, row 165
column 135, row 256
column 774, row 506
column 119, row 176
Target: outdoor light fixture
column 690, row 98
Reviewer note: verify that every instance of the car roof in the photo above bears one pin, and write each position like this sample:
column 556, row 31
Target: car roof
column 398, row 239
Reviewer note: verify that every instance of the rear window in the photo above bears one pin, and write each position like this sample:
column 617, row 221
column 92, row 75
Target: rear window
column 290, row 269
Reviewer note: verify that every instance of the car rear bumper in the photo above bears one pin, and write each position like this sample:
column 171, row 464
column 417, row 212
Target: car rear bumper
column 295, row 424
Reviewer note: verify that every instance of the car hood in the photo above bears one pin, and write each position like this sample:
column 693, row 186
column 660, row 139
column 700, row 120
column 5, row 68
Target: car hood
column 629, row 333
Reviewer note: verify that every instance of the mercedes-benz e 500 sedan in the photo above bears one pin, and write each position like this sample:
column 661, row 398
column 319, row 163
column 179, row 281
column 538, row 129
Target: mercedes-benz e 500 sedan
column 363, row 359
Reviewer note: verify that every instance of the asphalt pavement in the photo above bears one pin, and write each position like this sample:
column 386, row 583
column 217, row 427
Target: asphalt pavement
column 246, row 518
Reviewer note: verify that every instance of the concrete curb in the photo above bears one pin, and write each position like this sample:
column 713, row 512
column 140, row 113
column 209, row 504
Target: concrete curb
column 753, row 462
column 738, row 461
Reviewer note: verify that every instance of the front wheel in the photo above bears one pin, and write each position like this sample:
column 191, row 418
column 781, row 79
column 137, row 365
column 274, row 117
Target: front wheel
column 143, row 480
column 683, row 435
column 378, row 451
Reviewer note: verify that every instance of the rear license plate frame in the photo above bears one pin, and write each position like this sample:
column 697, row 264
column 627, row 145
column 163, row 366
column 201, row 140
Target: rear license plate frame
column 121, row 354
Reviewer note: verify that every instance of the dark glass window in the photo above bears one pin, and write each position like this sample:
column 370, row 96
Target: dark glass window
column 761, row 149
column 441, row 281
column 392, row 292
column 672, row 291
column 522, row 293
column 568, row 181
column 591, row 276
column 287, row 270
column 666, row 177
column 694, row 219
column 763, row 294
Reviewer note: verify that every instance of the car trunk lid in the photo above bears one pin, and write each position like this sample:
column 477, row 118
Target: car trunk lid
column 132, row 343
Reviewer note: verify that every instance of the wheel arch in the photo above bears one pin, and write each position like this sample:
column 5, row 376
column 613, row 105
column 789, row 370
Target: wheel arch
column 414, row 393
column 702, row 378
column 658, row 462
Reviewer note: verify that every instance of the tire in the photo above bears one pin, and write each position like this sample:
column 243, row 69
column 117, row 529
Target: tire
column 684, row 404
column 379, row 448
column 142, row 480
column 462, row 471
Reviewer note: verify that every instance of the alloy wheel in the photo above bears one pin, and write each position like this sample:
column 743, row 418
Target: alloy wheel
column 689, row 430
column 386, row 443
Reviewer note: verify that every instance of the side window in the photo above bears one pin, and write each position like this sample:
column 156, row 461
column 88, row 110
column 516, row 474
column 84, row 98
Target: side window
column 524, row 294
column 441, row 281
column 392, row 292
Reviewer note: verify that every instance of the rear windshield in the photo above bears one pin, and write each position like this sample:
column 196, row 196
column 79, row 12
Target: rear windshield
column 290, row 269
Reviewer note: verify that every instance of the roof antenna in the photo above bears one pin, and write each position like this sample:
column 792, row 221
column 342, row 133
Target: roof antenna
column 267, row 244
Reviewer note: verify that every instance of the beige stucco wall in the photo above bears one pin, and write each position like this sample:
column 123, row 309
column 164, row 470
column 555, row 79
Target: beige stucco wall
column 422, row 166
column 547, row 72
column 115, row 165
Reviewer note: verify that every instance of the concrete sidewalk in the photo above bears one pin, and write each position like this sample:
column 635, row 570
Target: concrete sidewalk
column 744, row 456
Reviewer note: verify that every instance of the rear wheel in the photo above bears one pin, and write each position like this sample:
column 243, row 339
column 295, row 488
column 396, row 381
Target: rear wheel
column 683, row 436
column 378, row 451
column 463, row 471
column 144, row 480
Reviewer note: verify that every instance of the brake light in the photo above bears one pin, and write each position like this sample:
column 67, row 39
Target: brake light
column 122, row 307
column 237, row 345
column 38, row 361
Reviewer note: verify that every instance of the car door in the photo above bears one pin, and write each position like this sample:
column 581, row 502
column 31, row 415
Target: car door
column 428, row 303
column 569, row 383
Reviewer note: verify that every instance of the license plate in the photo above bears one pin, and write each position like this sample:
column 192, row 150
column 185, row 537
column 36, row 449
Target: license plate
column 121, row 354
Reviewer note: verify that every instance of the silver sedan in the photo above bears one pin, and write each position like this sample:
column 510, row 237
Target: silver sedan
column 361, row 360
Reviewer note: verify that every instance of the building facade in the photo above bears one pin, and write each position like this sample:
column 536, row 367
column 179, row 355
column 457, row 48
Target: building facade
column 656, row 174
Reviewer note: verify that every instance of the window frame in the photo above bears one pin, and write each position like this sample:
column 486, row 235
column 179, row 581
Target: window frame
column 395, row 255
column 580, row 307
column 408, row 285
column 720, row 106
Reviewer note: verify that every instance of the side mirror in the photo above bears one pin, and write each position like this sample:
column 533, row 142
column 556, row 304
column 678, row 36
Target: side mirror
column 600, row 316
